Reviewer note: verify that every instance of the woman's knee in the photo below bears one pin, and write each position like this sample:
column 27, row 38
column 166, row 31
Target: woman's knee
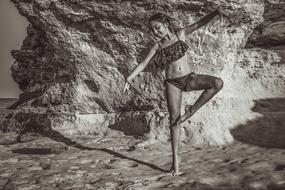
column 218, row 84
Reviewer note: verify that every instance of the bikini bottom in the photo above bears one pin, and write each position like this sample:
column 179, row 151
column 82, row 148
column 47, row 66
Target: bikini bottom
column 182, row 83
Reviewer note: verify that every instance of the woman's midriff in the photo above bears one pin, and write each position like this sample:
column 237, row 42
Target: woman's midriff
column 179, row 68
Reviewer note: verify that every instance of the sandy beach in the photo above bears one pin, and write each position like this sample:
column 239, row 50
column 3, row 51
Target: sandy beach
column 33, row 161
column 38, row 162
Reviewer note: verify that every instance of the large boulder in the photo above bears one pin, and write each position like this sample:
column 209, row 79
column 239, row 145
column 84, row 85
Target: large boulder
column 73, row 63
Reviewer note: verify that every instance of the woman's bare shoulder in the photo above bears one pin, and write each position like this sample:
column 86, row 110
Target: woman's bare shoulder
column 156, row 46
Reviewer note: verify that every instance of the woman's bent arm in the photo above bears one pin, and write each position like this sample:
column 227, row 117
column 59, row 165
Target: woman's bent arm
column 144, row 63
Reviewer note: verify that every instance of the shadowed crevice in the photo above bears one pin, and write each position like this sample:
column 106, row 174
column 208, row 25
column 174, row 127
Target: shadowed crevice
column 133, row 126
column 269, row 33
column 26, row 97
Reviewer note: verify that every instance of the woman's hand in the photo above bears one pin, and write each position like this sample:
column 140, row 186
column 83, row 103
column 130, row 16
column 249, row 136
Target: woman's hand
column 222, row 14
column 127, row 85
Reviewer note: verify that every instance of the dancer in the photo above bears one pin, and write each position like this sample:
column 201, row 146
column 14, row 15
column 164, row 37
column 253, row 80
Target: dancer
column 171, row 53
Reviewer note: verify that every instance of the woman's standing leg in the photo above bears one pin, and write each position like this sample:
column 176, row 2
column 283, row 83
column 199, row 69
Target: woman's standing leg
column 211, row 86
column 173, row 96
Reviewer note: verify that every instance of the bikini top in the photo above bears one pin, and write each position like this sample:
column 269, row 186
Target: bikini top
column 171, row 53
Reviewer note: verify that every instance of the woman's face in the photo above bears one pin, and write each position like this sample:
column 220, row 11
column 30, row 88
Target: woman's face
column 159, row 29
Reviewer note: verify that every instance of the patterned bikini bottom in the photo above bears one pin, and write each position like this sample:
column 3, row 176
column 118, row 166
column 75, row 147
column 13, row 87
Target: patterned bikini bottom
column 182, row 83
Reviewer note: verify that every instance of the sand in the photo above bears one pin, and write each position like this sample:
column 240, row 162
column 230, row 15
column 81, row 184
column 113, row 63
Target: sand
column 38, row 162
column 33, row 161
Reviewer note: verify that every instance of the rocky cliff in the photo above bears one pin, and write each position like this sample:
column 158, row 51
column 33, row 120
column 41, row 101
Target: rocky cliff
column 72, row 65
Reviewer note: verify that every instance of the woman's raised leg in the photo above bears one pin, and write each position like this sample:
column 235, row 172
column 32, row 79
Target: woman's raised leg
column 173, row 96
column 211, row 86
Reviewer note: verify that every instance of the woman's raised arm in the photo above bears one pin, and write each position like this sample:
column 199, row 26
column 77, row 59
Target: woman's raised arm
column 205, row 20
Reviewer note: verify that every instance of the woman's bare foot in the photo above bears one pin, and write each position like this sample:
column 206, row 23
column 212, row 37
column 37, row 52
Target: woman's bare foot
column 174, row 171
column 188, row 113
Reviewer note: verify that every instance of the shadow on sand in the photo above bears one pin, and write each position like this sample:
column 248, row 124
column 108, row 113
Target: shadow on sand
column 58, row 137
column 31, row 128
column 267, row 131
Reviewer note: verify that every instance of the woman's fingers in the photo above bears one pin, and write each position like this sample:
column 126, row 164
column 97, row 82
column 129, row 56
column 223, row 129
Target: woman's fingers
column 221, row 18
column 126, row 87
column 223, row 13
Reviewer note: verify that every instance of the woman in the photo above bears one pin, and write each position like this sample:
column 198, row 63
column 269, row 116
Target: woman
column 171, row 51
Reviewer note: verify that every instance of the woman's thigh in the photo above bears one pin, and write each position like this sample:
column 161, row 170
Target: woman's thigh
column 173, row 98
column 201, row 82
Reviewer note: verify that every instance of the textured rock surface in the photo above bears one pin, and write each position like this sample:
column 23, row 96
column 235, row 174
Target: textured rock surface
column 271, row 32
column 72, row 65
